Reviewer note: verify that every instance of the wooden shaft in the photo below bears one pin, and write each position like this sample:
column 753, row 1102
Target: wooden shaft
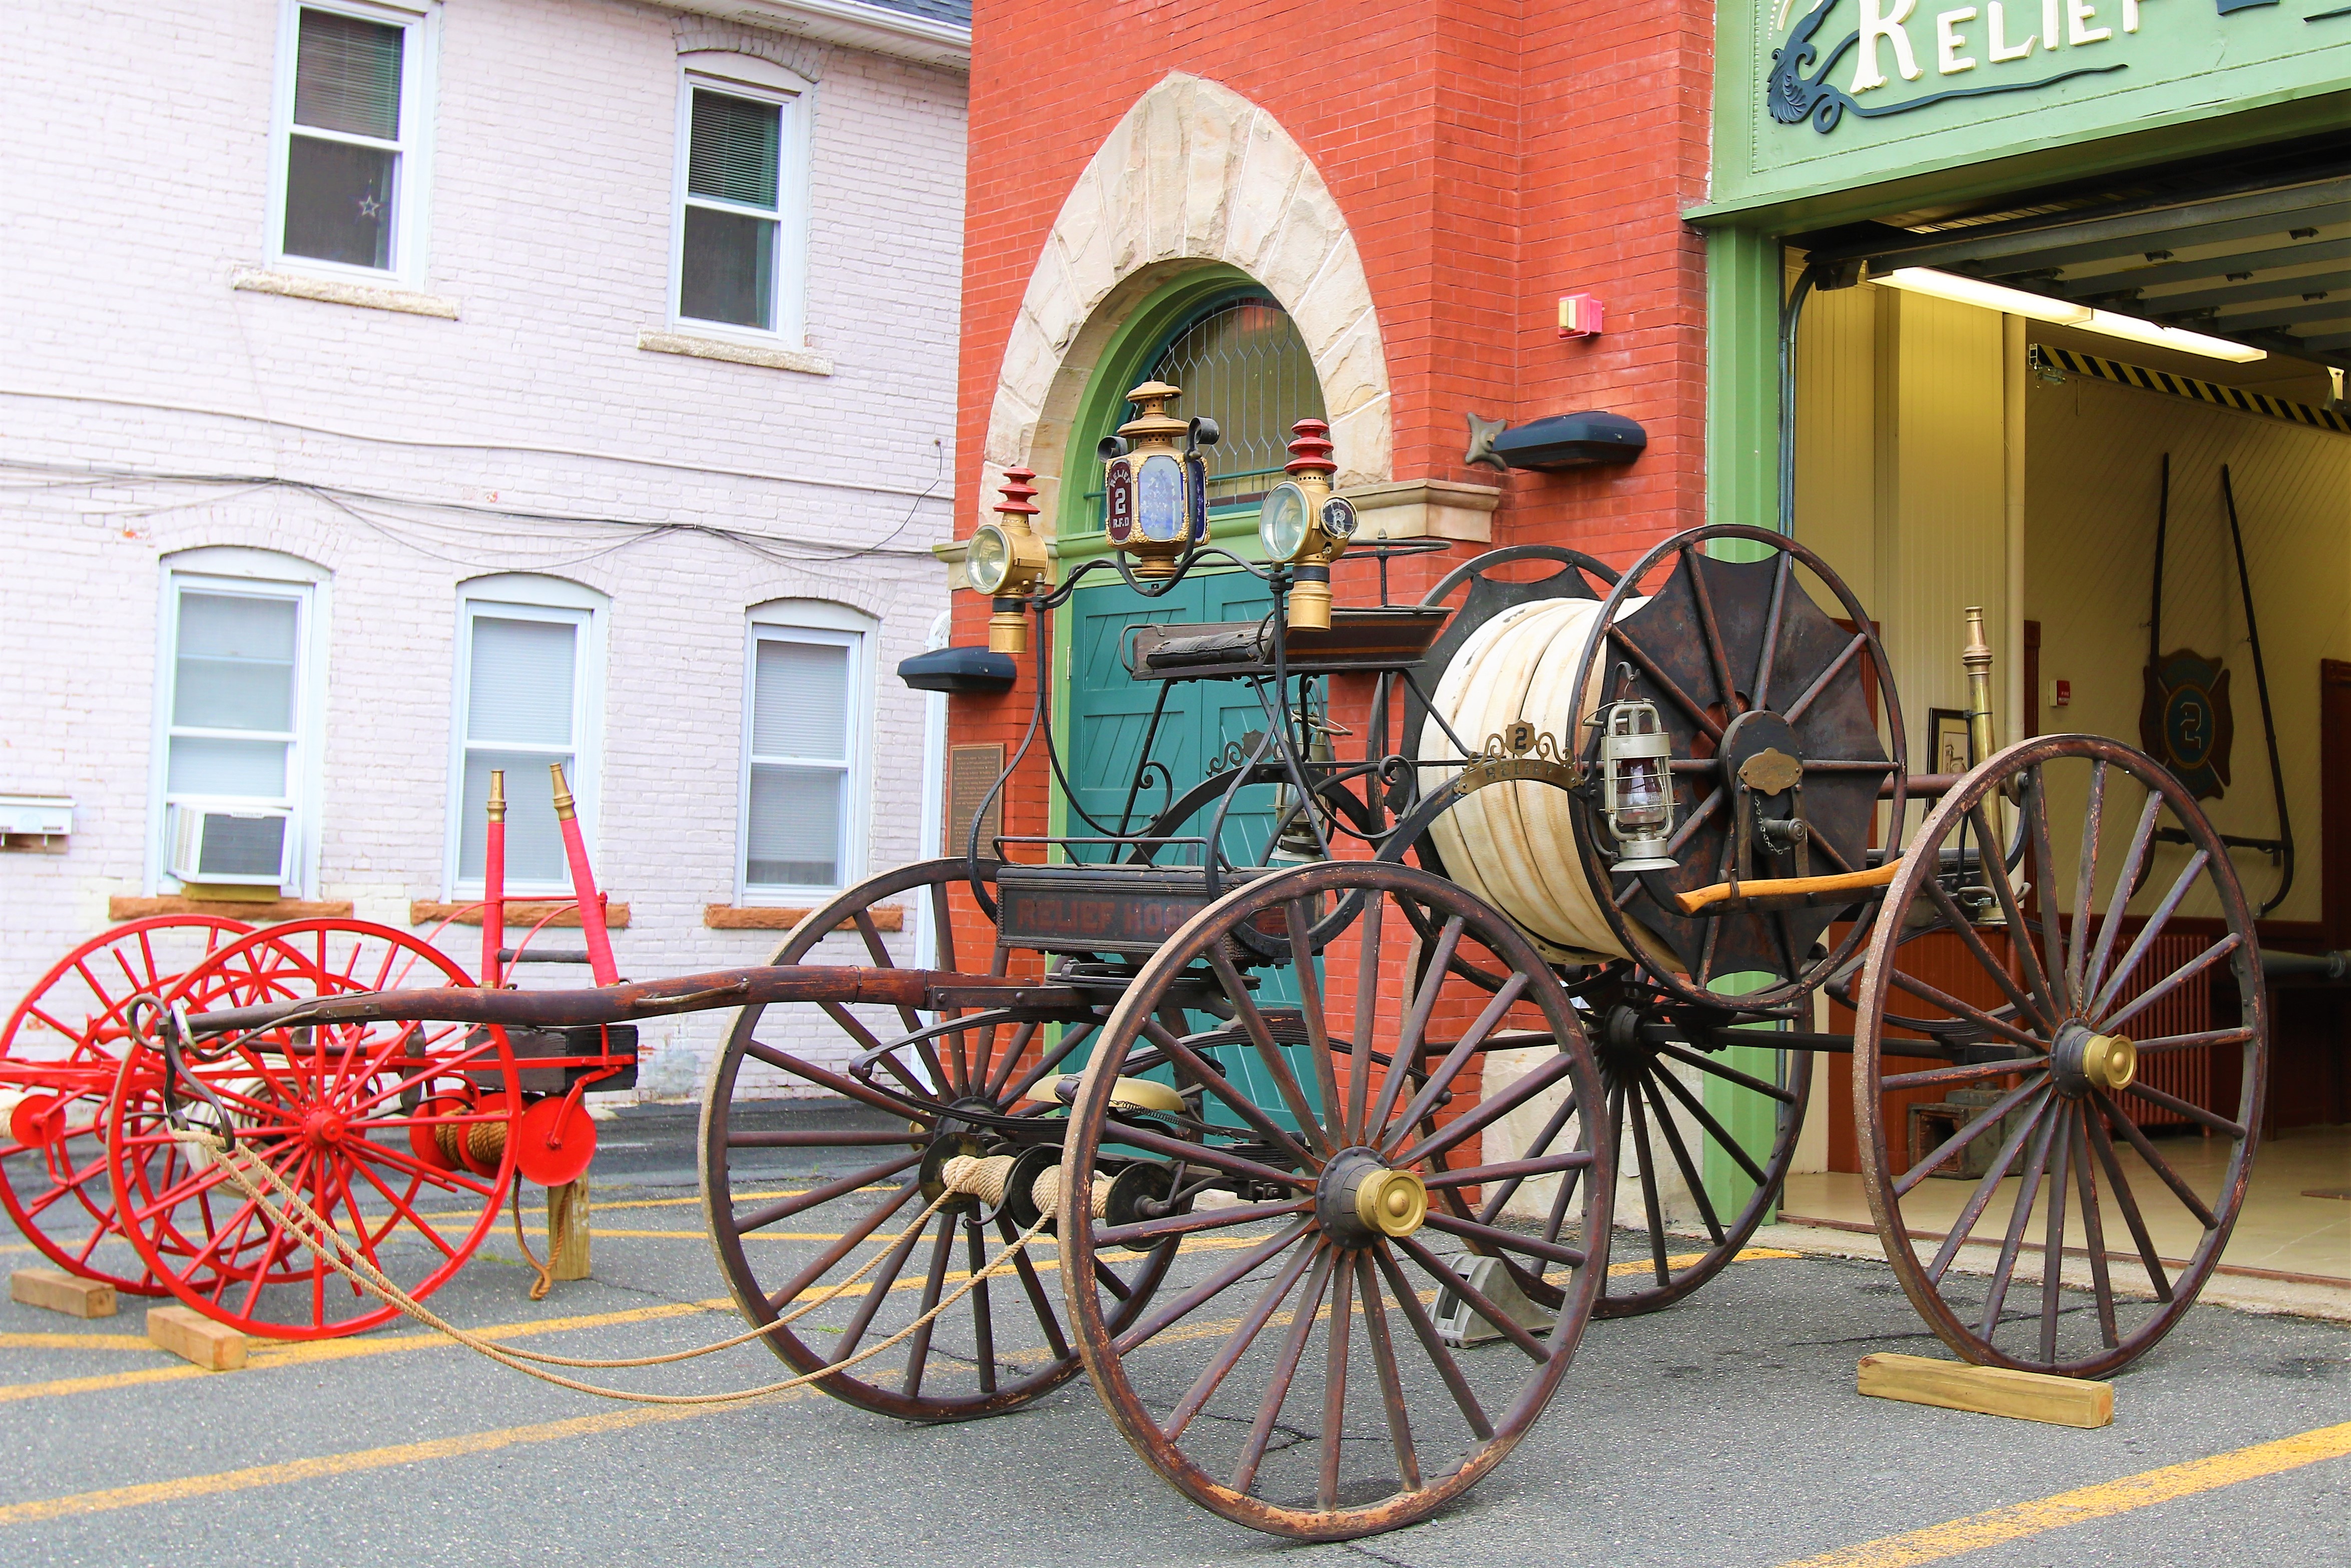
column 1786, row 887
column 607, row 1004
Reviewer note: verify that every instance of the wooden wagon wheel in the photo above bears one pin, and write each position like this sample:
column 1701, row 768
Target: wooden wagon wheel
column 396, row 1131
column 2040, row 1017
column 1744, row 667
column 781, row 1244
column 53, row 1144
column 1670, row 1136
column 1326, row 1216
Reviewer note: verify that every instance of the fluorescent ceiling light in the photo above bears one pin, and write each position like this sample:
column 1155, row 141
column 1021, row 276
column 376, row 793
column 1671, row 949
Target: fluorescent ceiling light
column 2140, row 331
column 2039, row 307
column 1990, row 295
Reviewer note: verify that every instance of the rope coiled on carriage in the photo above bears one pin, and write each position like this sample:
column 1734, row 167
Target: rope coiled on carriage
column 964, row 1177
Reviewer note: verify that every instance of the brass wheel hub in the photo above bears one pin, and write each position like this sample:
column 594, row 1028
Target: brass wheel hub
column 1360, row 1198
column 2083, row 1061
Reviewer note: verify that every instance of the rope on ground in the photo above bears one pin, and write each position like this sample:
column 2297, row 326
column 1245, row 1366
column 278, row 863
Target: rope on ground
column 546, row 1281
column 328, row 1244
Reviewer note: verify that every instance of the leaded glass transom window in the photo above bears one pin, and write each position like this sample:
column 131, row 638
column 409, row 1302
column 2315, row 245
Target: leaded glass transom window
column 1242, row 364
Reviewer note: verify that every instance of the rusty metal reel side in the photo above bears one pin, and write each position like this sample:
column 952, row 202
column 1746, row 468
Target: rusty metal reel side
column 113, row 967
column 761, row 1300
column 1384, row 1139
column 1784, row 999
column 2072, row 1125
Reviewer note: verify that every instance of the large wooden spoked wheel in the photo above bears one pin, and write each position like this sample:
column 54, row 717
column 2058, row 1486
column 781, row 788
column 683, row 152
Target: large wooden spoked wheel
column 1688, row 1122
column 2095, row 1025
column 897, row 1093
column 1742, row 661
column 76, row 1019
column 395, row 1131
column 1342, row 1211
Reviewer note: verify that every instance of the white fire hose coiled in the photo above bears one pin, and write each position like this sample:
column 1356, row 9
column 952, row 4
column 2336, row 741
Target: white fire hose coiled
column 1514, row 843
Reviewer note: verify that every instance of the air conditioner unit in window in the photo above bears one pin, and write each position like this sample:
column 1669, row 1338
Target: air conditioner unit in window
column 236, row 845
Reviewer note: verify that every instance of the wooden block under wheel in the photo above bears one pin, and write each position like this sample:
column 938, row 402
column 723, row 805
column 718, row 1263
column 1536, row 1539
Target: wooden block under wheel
column 62, row 1293
column 188, row 1333
column 1987, row 1390
column 567, row 1230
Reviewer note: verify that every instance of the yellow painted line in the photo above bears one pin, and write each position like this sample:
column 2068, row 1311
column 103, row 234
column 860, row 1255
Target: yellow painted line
column 74, row 1342
column 307, row 1352
column 328, row 1465
column 2018, row 1520
column 1686, row 1259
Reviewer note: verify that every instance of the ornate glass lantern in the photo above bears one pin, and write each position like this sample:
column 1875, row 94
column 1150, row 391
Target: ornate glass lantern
column 1006, row 560
column 1636, row 785
column 1305, row 525
column 1155, row 482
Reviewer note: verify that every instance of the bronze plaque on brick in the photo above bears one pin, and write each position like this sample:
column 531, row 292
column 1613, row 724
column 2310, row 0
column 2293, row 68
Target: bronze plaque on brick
column 972, row 772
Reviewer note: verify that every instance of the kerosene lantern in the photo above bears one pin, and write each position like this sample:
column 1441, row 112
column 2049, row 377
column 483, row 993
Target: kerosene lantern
column 1006, row 560
column 1636, row 785
column 1304, row 525
column 1155, row 482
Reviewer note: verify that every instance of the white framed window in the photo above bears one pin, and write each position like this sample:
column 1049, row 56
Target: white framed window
column 741, row 239
column 529, row 695
column 240, row 684
column 351, row 138
column 806, row 732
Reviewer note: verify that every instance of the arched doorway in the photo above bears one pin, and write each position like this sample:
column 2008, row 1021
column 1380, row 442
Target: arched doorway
column 1241, row 362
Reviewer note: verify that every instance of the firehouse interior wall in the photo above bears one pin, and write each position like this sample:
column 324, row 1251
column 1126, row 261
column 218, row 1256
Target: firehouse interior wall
column 1905, row 411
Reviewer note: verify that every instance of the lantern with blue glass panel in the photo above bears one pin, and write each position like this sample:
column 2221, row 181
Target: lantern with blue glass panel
column 1155, row 482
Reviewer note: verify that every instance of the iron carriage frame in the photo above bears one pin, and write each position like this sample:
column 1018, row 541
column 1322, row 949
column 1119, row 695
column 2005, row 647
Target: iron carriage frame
column 1447, row 1069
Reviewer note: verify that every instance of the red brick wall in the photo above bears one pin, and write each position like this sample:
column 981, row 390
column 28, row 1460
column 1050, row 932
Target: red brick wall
column 1488, row 157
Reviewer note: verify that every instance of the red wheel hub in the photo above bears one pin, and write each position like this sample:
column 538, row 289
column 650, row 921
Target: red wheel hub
column 323, row 1126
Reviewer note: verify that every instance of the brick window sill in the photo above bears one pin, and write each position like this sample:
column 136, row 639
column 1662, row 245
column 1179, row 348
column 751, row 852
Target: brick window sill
column 252, row 911
column 735, row 918
column 521, row 913
column 728, row 350
column 341, row 291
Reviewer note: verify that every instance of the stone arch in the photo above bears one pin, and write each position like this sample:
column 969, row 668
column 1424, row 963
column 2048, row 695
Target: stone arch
column 1194, row 174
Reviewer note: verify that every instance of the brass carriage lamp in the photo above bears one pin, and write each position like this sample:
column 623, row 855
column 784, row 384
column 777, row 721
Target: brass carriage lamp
column 1155, row 482
column 1006, row 560
column 1637, row 786
column 1305, row 525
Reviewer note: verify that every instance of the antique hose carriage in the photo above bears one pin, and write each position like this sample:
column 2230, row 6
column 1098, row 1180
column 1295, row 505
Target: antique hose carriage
column 1319, row 1144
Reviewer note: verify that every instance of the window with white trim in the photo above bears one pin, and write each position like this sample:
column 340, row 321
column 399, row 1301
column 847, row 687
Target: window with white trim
column 350, row 133
column 742, row 188
column 527, row 699
column 803, row 772
column 238, row 700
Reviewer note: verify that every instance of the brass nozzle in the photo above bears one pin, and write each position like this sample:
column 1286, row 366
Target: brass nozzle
column 1977, row 659
column 563, row 811
column 497, row 805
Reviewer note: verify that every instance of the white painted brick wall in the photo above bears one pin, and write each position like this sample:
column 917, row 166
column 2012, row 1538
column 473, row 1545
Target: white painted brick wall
column 135, row 185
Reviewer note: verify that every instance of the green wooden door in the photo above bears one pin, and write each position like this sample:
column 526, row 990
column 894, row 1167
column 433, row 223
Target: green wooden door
column 1109, row 715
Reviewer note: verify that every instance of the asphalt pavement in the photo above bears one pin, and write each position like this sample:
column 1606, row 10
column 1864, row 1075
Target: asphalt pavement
column 1724, row 1431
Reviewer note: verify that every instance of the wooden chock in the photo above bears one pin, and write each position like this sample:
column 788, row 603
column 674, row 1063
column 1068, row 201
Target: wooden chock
column 567, row 1230
column 190, row 1335
column 1988, row 1390
column 62, row 1293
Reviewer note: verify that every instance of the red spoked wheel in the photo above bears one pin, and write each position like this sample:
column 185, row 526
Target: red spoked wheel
column 397, row 1133
column 58, row 1055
